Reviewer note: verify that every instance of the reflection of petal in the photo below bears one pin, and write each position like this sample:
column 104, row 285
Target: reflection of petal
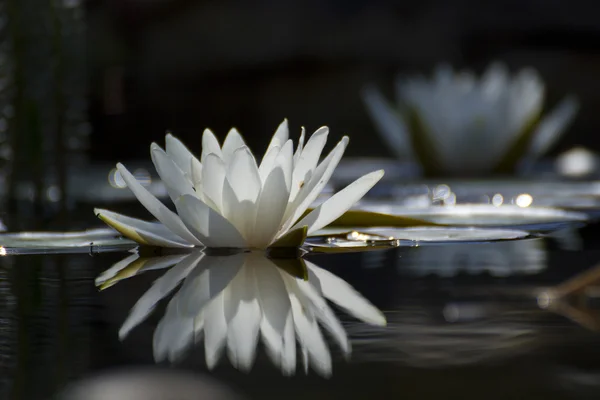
column 215, row 330
column 310, row 336
column 115, row 269
column 173, row 335
column 206, row 282
column 276, row 327
column 135, row 265
column 231, row 300
column 161, row 287
column 243, row 319
column 344, row 295
column 311, row 299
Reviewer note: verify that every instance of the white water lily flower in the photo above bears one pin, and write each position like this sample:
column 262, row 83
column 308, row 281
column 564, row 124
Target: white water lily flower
column 458, row 125
column 226, row 199
column 232, row 301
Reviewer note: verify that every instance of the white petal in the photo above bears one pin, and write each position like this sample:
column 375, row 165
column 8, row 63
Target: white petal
column 172, row 176
column 180, row 154
column 270, row 209
column 160, row 288
column 243, row 175
column 299, row 147
column 143, row 232
column 332, row 208
column 241, row 214
column 309, row 335
column 280, row 137
column 215, row 330
column 206, row 282
column 313, row 188
column 308, row 159
column 285, row 161
column 213, row 176
column 344, row 295
column 196, row 174
column 388, row 123
column 552, row 126
column 233, row 141
column 208, row 224
column 156, row 208
column 243, row 315
column 268, row 162
column 210, row 144
column 277, row 328
column 241, row 190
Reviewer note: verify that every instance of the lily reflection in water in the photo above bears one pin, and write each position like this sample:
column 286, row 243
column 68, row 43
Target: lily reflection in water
column 232, row 300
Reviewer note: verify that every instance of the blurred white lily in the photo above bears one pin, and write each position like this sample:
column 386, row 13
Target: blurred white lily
column 457, row 125
column 233, row 300
column 226, row 199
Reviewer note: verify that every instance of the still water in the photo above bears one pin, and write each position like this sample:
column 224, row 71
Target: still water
column 464, row 322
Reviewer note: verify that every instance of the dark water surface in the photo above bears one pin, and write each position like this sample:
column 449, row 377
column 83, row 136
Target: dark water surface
column 463, row 323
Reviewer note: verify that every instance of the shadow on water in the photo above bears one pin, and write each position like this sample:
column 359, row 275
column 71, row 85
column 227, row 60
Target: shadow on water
column 456, row 331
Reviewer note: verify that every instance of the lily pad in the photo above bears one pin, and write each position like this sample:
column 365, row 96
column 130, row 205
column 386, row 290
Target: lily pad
column 581, row 196
column 538, row 219
column 93, row 240
column 348, row 242
column 431, row 235
column 368, row 217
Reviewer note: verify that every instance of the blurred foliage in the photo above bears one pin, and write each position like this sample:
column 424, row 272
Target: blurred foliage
column 45, row 96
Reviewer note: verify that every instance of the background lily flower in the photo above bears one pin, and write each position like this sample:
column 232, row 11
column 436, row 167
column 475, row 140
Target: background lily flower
column 457, row 125
column 227, row 199
column 233, row 300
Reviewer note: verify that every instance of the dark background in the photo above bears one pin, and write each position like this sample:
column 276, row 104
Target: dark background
column 184, row 65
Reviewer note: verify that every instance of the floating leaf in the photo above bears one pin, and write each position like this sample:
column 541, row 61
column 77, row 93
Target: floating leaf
column 349, row 242
column 361, row 218
column 448, row 234
column 351, row 247
column 539, row 219
column 89, row 241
